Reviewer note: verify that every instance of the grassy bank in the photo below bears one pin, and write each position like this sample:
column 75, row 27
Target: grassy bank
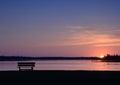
column 42, row 76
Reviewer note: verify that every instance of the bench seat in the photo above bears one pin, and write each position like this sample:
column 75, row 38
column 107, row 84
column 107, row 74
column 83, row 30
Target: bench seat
column 26, row 65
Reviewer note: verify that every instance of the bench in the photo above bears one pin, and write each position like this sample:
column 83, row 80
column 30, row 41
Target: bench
column 26, row 66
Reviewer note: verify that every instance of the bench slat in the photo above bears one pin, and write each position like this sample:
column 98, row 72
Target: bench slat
column 26, row 64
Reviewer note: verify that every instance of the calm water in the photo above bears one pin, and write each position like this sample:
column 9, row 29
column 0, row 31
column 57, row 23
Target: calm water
column 65, row 65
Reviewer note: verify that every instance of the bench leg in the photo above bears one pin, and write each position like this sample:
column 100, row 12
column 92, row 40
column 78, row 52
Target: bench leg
column 19, row 69
column 31, row 68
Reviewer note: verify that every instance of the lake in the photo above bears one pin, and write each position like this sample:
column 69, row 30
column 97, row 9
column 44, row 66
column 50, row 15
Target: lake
column 65, row 65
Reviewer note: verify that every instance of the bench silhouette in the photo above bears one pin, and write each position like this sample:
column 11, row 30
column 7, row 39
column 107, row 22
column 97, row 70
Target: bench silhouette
column 26, row 65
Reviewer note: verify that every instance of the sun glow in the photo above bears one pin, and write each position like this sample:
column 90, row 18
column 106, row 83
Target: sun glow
column 101, row 56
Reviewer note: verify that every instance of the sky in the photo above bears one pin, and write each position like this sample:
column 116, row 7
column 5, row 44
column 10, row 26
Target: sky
column 59, row 27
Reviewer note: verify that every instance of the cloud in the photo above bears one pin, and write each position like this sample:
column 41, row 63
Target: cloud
column 93, row 36
column 84, row 36
column 75, row 27
column 108, row 44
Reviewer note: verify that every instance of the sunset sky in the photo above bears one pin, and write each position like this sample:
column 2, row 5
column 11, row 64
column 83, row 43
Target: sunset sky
column 59, row 27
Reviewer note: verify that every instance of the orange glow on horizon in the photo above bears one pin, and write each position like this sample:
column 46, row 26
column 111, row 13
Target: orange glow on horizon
column 101, row 56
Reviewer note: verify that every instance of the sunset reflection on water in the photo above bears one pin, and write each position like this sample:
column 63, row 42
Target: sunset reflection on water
column 66, row 65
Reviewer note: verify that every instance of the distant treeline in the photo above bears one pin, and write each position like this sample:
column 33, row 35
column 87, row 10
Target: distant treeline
column 14, row 58
column 22, row 58
column 109, row 57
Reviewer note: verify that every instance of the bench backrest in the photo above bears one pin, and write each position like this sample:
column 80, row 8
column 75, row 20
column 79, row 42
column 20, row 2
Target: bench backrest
column 26, row 63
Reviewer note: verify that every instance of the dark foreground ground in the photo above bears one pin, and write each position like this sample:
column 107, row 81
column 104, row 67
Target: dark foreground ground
column 59, row 77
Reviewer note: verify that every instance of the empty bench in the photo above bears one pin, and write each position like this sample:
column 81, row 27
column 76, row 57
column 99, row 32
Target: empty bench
column 26, row 66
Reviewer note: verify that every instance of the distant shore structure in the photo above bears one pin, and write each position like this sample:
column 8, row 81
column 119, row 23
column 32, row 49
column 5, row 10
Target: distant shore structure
column 110, row 57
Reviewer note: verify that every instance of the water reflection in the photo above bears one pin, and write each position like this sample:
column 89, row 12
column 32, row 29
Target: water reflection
column 65, row 65
column 98, row 65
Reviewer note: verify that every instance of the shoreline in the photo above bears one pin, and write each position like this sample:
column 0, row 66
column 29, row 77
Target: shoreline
column 65, row 73
column 61, row 76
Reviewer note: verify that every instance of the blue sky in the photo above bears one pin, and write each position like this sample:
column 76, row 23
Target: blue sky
column 59, row 27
